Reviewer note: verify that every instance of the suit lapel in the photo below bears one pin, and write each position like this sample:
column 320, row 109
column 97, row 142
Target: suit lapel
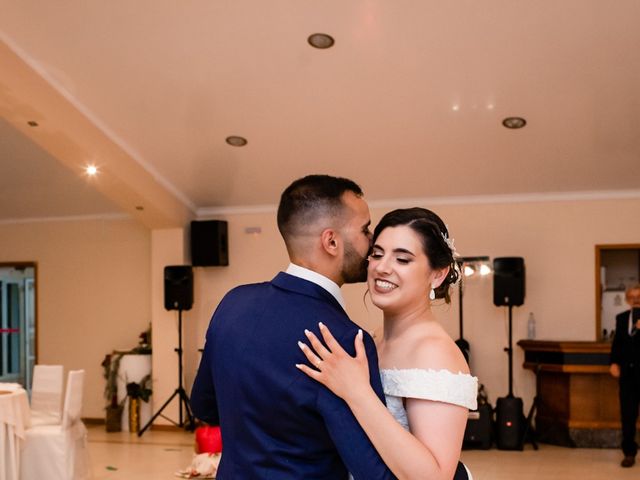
column 305, row 287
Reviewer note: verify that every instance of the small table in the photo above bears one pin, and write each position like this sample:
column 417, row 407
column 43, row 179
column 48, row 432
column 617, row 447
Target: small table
column 15, row 419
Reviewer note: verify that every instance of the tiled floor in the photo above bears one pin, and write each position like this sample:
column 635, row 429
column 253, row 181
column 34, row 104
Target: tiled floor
column 157, row 455
column 125, row 456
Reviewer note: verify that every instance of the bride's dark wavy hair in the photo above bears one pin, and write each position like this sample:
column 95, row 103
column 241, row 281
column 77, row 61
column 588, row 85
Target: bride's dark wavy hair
column 432, row 231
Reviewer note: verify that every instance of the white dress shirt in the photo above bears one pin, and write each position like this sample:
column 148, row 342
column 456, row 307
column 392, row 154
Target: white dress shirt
column 320, row 280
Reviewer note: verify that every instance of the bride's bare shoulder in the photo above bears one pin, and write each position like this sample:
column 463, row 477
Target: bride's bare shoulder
column 439, row 353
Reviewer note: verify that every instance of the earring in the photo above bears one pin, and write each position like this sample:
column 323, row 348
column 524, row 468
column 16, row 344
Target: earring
column 432, row 294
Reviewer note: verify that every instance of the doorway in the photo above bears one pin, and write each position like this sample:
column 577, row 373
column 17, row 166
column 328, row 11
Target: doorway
column 617, row 268
column 18, row 322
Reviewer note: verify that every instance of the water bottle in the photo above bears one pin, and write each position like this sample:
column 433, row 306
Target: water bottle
column 531, row 327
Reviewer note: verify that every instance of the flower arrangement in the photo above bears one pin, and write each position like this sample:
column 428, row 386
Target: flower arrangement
column 110, row 367
column 144, row 342
column 140, row 390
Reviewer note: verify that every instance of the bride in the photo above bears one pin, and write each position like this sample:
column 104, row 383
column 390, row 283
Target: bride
column 425, row 377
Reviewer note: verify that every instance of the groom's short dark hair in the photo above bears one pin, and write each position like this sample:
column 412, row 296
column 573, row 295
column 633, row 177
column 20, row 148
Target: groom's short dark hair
column 310, row 198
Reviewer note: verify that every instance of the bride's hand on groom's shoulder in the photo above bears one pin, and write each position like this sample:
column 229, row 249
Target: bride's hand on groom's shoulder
column 344, row 375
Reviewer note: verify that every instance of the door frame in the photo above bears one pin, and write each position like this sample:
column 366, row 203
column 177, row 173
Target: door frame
column 598, row 251
column 34, row 265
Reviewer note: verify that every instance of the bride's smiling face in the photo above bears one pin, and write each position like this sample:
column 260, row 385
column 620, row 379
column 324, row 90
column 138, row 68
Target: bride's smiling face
column 399, row 275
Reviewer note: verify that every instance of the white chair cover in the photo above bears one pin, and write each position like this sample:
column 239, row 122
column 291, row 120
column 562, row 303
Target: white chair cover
column 46, row 395
column 59, row 452
column 14, row 421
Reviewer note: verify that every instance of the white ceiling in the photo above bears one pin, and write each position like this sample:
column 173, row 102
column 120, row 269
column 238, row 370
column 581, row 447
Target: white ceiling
column 409, row 102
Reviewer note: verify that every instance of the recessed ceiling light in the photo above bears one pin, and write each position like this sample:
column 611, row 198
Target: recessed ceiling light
column 321, row 40
column 514, row 122
column 32, row 123
column 91, row 170
column 236, row 141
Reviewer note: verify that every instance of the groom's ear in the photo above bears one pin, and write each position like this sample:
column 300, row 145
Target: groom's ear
column 330, row 241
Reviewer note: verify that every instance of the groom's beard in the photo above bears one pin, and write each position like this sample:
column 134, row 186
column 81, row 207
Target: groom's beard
column 354, row 266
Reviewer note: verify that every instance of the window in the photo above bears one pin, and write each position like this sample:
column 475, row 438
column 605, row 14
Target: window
column 17, row 323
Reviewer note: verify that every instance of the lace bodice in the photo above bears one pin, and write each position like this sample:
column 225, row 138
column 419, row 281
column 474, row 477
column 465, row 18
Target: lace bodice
column 437, row 385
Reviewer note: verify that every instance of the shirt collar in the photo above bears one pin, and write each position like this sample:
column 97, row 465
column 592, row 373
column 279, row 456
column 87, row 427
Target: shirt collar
column 320, row 280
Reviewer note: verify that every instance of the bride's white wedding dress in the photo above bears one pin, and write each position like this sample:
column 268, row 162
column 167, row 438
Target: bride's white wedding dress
column 436, row 385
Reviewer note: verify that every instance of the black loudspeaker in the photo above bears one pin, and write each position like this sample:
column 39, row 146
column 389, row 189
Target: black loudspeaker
column 510, row 423
column 209, row 243
column 178, row 287
column 479, row 431
column 508, row 281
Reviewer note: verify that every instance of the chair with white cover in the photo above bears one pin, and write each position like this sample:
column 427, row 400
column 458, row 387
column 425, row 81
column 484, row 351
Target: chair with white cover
column 59, row 452
column 46, row 395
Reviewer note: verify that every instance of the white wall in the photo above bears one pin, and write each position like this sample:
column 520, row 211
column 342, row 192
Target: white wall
column 93, row 291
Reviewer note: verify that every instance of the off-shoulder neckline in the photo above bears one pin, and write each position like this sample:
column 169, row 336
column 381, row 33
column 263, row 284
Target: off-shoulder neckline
column 426, row 370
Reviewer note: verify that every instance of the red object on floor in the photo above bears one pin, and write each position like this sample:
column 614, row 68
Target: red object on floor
column 208, row 439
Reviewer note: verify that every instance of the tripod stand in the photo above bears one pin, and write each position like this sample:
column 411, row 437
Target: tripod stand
column 183, row 398
column 509, row 409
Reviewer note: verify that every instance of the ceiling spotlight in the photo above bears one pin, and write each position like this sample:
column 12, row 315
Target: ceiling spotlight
column 514, row 122
column 91, row 170
column 32, row 123
column 321, row 40
column 236, row 141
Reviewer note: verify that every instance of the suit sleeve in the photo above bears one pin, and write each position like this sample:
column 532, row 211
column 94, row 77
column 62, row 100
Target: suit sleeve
column 203, row 393
column 616, row 346
column 353, row 445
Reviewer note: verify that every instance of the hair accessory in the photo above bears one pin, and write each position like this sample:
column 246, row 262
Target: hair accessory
column 450, row 244
column 432, row 294
column 454, row 254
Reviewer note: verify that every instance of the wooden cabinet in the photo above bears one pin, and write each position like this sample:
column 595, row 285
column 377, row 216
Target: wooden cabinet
column 577, row 397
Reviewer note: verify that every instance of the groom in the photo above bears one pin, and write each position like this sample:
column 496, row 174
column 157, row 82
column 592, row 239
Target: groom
column 276, row 422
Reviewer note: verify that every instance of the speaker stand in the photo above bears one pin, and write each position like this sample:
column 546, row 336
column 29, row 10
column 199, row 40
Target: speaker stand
column 509, row 351
column 183, row 398
column 509, row 414
column 462, row 344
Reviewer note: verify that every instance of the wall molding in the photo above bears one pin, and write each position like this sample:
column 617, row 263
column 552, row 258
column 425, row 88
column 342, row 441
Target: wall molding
column 588, row 195
column 69, row 218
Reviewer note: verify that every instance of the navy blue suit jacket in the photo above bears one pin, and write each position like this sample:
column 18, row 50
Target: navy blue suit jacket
column 276, row 422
